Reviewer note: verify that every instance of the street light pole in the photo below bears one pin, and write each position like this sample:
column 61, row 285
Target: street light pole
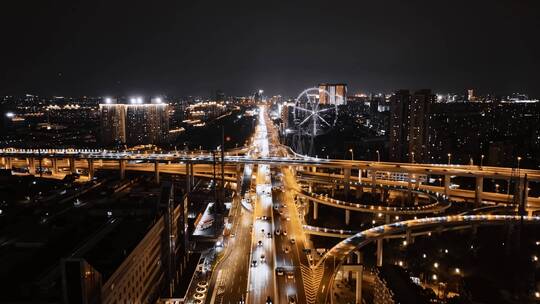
column 449, row 158
column 482, row 161
column 378, row 156
column 412, row 159
column 352, row 153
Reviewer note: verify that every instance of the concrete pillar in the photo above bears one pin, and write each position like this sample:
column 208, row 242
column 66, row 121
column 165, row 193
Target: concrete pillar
column 192, row 174
column 379, row 252
column 122, row 168
column 408, row 237
column 315, row 210
column 447, row 185
column 358, row 257
column 409, row 188
column 8, row 163
column 72, row 168
column 2, row 161
column 54, row 162
column 478, row 190
column 347, row 180
column 373, row 180
column 347, row 216
column 359, row 191
column 90, row 168
column 188, row 177
column 310, row 186
column 156, row 171
column 31, row 165
column 359, row 275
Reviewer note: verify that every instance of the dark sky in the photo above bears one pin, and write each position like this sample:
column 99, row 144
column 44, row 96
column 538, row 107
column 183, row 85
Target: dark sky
column 194, row 47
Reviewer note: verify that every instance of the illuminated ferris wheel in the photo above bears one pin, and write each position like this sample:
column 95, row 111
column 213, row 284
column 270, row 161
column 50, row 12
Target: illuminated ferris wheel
column 315, row 113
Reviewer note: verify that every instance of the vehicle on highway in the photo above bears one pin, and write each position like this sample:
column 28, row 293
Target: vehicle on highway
column 293, row 241
column 259, row 243
column 278, row 232
column 292, row 300
column 268, row 300
column 269, row 235
column 280, row 271
column 254, row 263
column 284, row 232
column 263, row 259
column 290, row 275
column 286, row 249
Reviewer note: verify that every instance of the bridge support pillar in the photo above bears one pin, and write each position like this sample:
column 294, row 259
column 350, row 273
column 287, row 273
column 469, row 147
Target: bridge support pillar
column 310, row 186
column 447, row 185
column 358, row 257
column 7, row 163
column 90, row 168
column 373, row 181
column 31, row 165
column 409, row 189
column 54, row 162
column 379, row 252
column 156, row 171
column 359, row 276
column 359, row 191
column 347, row 216
column 192, row 175
column 347, row 180
column 72, row 168
column 478, row 190
column 315, row 210
column 408, row 237
column 188, row 178
column 122, row 168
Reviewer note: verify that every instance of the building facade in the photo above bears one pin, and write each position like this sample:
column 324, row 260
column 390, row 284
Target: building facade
column 133, row 123
column 337, row 93
column 409, row 125
column 113, row 124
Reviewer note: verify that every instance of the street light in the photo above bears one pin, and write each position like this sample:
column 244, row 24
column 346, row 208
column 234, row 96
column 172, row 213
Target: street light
column 378, row 156
column 449, row 158
column 518, row 161
column 412, row 154
column 352, row 153
column 481, row 160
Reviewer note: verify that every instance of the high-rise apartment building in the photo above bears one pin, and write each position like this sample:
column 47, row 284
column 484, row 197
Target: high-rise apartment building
column 134, row 123
column 113, row 123
column 146, row 123
column 337, row 93
column 409, row 125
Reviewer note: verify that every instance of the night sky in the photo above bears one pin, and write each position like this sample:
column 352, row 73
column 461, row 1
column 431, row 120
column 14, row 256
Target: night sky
column 196, row 47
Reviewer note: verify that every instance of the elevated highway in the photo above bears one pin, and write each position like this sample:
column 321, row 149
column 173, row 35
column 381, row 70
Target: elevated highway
column 331, row 260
